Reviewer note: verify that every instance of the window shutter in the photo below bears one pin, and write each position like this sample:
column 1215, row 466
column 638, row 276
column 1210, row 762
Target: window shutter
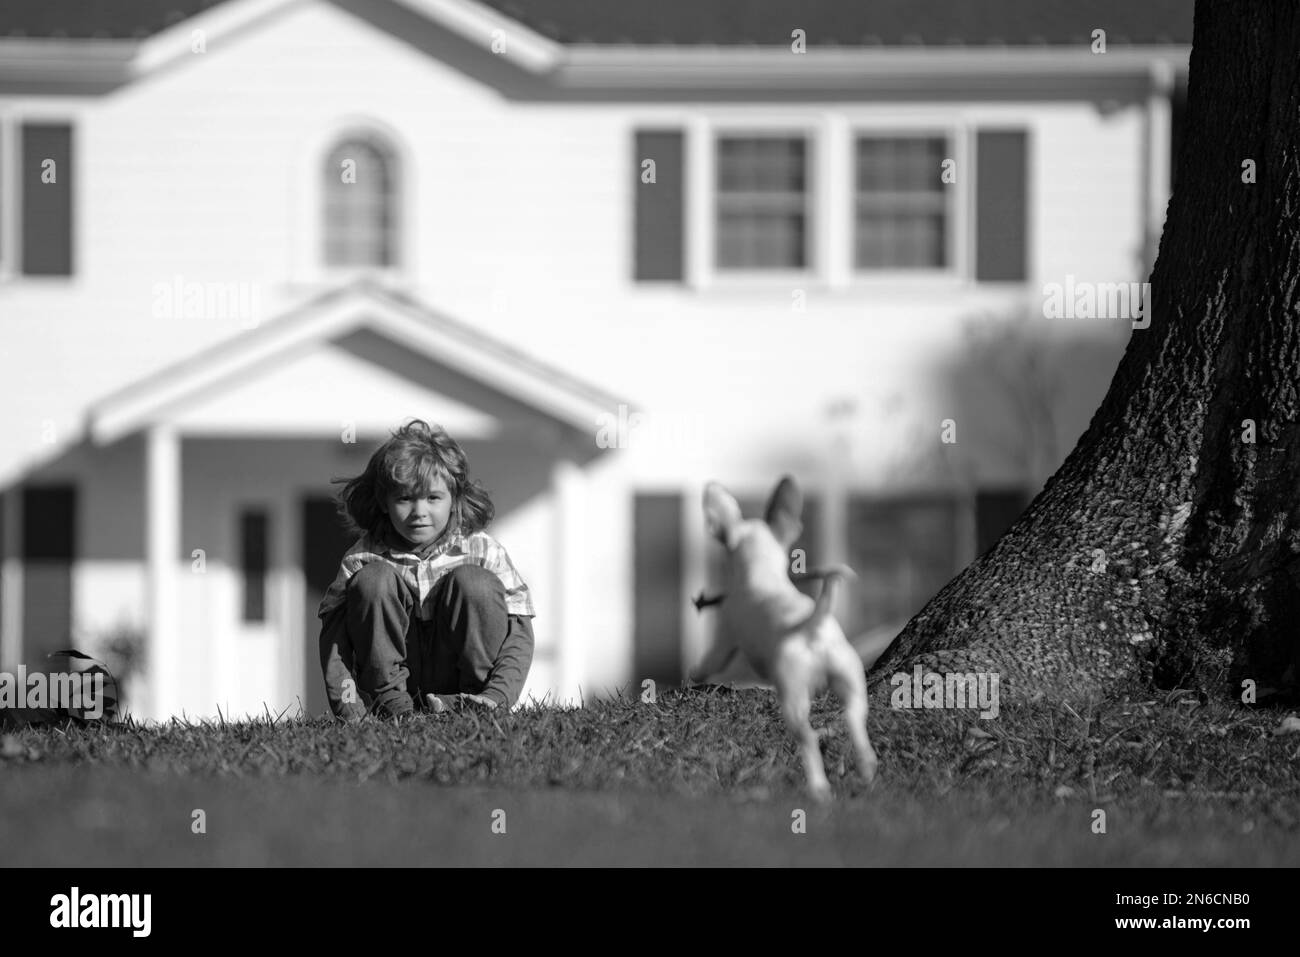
column 1177, row 125
column 324, row 541
column 1001, row 206
column 254, row 532
column 49, row 525
column 46, row 211
column 658, row 599
column 660, row 213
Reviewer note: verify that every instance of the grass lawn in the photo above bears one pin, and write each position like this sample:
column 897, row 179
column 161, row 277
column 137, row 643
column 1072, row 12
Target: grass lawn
column 695, row 778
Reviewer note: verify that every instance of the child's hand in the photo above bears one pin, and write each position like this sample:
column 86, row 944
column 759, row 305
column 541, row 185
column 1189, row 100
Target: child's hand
column 439, row 703
column 352, row 712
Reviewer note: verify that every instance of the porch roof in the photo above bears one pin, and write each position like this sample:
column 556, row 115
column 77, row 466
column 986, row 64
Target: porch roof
column 395, row 353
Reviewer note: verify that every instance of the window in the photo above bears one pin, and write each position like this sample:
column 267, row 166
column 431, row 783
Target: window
column 904, row 550
column 762, row 202
column 833, row 199
column 901, row 203
column 360, row 224
column 253, row 562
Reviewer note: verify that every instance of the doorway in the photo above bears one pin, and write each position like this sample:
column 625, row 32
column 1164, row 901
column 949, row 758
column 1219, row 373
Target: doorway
column 324, row 542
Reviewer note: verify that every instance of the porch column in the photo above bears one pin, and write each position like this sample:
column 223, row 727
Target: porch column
column 568, row 487
column 162, row 546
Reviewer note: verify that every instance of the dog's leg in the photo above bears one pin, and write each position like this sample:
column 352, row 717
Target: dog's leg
column 796, row 708
column 849, row 684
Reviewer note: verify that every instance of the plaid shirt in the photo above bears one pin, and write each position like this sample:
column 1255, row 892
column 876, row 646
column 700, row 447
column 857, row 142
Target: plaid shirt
column 422, row 573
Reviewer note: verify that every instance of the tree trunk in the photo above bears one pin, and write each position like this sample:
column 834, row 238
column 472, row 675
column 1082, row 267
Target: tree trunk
column 1167, row 547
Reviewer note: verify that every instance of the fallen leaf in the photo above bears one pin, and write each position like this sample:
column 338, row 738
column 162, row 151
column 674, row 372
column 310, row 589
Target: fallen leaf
column 1289, row 724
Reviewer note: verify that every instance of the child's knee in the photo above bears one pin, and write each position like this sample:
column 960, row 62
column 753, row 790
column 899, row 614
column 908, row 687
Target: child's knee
column 375, row 581
column 477, row 585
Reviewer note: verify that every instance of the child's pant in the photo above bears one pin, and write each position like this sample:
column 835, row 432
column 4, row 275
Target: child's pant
column 397, row 655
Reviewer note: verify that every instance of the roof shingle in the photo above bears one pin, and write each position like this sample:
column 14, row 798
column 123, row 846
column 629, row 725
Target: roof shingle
column 843, row 23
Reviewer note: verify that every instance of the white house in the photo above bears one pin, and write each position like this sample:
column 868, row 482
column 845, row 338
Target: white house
column 616, row 255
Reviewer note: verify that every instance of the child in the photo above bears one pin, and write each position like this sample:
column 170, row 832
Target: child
column 427, row 611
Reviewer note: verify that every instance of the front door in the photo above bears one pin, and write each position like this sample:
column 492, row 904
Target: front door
column 323, row 543
column 249, row 608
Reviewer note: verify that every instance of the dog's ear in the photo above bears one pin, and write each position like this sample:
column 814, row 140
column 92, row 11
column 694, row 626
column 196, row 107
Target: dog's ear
column 721, row 514
column 783, row 511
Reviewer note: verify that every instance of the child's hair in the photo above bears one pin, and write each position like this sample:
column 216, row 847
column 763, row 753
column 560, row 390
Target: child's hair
column 409, row 463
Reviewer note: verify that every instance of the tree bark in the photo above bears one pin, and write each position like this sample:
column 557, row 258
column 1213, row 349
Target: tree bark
column 1166, row 548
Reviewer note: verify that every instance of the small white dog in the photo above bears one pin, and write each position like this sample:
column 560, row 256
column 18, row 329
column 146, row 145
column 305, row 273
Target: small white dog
column 790, row 640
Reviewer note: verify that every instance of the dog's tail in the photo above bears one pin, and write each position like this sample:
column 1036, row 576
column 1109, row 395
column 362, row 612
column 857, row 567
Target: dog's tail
column 831, row 576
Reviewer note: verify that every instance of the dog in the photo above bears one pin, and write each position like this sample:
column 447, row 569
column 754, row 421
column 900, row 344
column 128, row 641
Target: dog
column 790, row 640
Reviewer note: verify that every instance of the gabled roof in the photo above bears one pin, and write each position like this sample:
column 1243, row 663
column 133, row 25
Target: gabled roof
column 363, row 307
column 850, row 23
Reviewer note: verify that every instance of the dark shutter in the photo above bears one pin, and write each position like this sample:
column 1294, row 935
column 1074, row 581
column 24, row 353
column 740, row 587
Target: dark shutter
column 1177, row 125
column 323, row 543
column 658, row 599
column 995, row 511
column 660, row 213
column 48, row 549
column 253, row 563
column 46, row 212
column 1001, row 205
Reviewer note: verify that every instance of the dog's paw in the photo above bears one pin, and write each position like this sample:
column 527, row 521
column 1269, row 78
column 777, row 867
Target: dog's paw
column 868, row 770
column 820, row 791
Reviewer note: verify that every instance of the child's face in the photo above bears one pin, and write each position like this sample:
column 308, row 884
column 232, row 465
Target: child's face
column 420, row 520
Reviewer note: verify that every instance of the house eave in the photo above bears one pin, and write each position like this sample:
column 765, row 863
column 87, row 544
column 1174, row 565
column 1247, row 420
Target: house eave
column 31, row 65
column 943, row 73
column 608, row 73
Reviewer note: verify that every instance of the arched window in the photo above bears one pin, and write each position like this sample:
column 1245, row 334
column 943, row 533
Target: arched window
column 360, row 204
